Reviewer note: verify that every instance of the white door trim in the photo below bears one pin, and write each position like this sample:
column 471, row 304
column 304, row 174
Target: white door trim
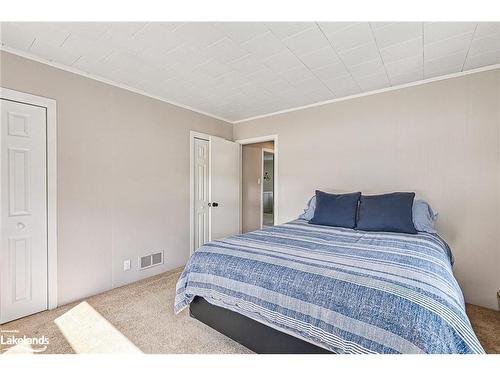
column 192, row 135
column 51, row 109
column 268, row 150
column 265, row 138
column 207, row 137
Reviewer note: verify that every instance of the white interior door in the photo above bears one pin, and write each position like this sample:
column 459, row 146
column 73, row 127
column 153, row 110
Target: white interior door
column 224, row 188
column 23, row 236
column 201, row 192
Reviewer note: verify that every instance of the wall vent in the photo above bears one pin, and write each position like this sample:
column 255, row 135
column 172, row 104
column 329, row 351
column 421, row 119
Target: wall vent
column 150, row 260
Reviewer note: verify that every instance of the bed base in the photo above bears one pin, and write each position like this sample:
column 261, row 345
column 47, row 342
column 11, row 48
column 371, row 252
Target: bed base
column 252, row 334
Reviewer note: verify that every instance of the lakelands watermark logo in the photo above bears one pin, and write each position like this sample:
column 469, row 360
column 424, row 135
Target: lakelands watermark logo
column 12, row 341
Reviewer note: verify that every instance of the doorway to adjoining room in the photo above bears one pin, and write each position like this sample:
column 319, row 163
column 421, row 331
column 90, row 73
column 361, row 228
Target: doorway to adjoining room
column 258, row 186
column 267, row 187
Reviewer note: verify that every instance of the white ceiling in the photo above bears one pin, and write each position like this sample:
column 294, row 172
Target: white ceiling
column 239, row 70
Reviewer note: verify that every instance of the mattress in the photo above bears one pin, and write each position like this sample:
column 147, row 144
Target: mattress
column 345, row 290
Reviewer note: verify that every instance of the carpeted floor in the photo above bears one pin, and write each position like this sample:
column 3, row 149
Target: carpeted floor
column 486, row 324
column 142, row 312
column 139, row 317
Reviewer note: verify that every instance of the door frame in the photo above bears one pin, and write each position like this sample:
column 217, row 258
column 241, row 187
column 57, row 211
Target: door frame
column 192, row 135
column 268, row 150
column 50, row 106
column 265, row 138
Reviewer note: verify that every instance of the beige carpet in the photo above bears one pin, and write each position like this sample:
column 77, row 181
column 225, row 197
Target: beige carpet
column 142, row 312
column 139, row 318
column 486, row 324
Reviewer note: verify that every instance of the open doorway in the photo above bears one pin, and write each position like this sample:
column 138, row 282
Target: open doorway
column 267, row 187
column 258, row 185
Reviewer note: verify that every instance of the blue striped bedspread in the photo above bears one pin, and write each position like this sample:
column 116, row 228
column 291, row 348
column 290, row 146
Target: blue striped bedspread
column 344, row 290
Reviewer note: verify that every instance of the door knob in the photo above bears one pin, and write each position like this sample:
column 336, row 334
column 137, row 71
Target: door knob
column 213, row 204
column 21, row 225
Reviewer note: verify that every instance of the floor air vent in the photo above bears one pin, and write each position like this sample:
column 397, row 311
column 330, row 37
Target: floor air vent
column 151, row 260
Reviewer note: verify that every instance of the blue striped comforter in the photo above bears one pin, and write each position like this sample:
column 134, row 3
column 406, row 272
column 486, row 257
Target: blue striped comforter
column 345, row 290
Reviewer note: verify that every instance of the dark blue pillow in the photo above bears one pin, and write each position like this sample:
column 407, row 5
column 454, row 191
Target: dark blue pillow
column 336, row 210
column 386, row 213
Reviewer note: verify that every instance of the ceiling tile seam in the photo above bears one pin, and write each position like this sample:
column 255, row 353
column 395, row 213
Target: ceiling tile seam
column 65, row 39
column 254, row 36
column 40, row 41
column 61, row 46
column 107, row 55
column 291, row 35
column 213, row 43
column 442, row 57
column 74, row 62
column 389, row 23
column 338, row 55
column 348, row 26
column 246, row 41
column 139, row 30
column 32, row 42
column 398, row 44
column 380, row 55
column 470, row 46
column 302, row 62
column 450, row 37
column 271, row 32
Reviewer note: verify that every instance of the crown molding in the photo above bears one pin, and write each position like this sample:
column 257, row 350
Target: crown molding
column 66, row 68
column 386, row 89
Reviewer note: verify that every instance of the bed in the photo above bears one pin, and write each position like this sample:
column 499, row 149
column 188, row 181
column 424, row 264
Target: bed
column 312, row 289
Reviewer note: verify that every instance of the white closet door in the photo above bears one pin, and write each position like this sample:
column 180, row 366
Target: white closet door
column 23, row 237
column 201, row 192
column 224, row 188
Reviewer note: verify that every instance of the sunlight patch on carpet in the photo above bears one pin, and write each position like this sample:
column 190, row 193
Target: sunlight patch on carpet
column 87, row 331
column 22, row 348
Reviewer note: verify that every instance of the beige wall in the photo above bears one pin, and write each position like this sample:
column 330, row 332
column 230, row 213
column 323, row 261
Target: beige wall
column 123, row 163
column 123, row 176
column 251, row 170
column 440, row 140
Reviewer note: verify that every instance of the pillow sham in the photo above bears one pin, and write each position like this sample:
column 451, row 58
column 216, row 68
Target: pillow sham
column 423, row 216
column 309, row 210
column 336, row 210
column 387, row 213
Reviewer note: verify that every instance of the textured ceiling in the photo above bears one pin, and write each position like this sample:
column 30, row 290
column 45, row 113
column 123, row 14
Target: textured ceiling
column 239, row 70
